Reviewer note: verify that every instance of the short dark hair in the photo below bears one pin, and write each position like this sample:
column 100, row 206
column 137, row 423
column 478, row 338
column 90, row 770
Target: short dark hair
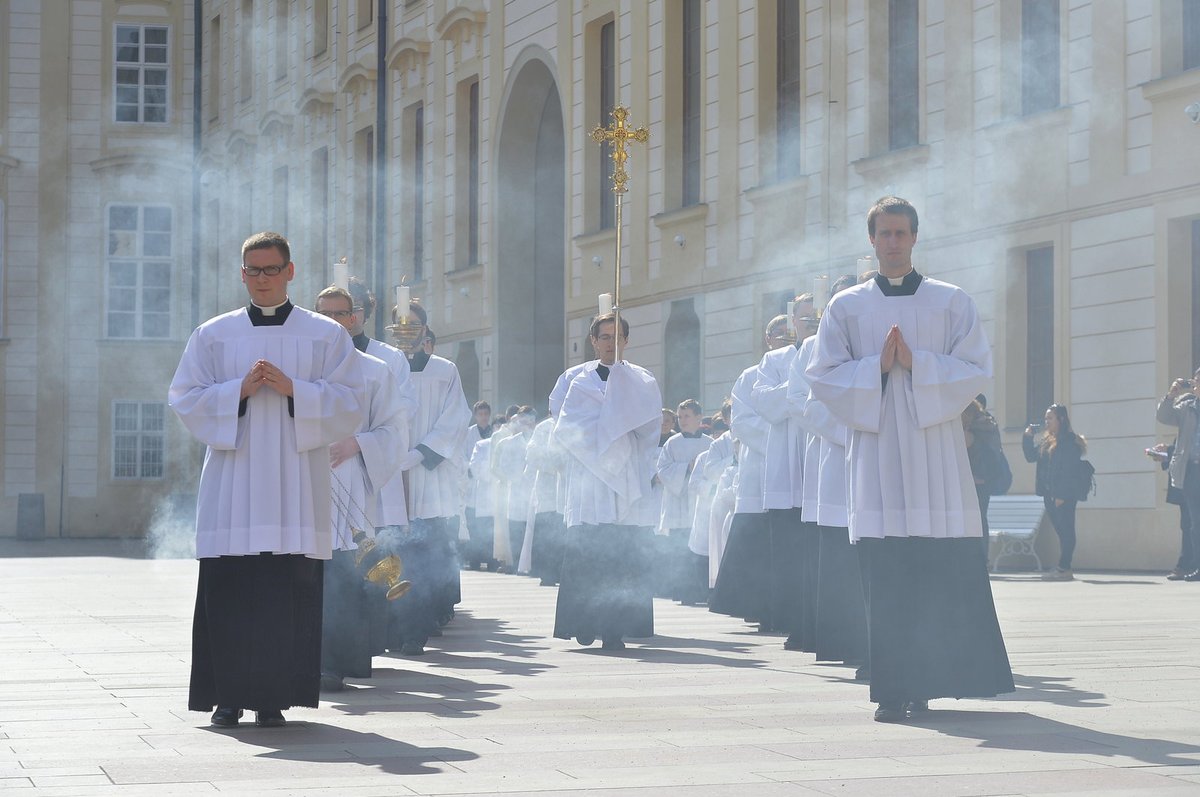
column 362, row 297
column 606, row 318
column 268, row 240
column 777, row 321
column 429, row 336
column 892, row 204
column 842, row 283
column 336, row 292
column 481, row 405
column 691, row 404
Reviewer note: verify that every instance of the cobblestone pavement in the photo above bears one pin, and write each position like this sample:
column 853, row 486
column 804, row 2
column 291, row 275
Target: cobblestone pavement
column 94, row 652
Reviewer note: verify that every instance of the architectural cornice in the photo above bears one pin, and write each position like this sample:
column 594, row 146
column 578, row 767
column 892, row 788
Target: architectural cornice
column 461, row 22
column 315, row 100
column 406, row 53
column 356, row 79
column 139, row 161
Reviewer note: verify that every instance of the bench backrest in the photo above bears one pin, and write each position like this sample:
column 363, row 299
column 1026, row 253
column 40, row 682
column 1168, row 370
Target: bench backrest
column 1015, row 515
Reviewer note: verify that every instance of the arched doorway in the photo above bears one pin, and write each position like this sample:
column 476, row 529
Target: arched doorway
column 530, row 201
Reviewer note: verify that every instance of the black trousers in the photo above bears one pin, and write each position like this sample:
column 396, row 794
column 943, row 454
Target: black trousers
column 256, row 633
column 1063, row 519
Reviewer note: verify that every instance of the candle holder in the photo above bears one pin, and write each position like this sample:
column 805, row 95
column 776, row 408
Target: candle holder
column 407, row 332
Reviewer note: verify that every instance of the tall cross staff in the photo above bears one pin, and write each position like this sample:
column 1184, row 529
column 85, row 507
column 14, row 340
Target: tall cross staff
column 616, row 135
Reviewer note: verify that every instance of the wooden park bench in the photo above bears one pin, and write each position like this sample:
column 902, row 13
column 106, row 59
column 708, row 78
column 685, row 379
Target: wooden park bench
column 1013, row 522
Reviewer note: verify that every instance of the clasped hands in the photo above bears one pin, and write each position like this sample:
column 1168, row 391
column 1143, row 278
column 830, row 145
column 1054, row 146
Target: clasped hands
column 264, row 373
column 895, row 350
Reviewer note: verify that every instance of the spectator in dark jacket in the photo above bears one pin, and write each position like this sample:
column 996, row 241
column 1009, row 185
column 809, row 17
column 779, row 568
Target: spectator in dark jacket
column 1057, row 450
column 985, row 455
column 1181, row 408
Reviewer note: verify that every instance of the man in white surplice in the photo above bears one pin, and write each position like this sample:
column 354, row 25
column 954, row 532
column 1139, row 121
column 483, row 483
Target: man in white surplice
column 433, row 469
column 362, row 464
column 897, row 359
column 608, row 423
column 267, row 388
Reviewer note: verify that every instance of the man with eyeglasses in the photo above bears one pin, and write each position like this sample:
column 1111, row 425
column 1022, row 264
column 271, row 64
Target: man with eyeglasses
column 608, row 421
column 433, row 466
column 354, row 609
column 267, row 388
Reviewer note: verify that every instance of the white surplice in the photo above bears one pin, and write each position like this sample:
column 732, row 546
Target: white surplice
column 824, row 452
column 509, row 467
column 265, row 482
column 674, row 467
column 750, row 430
column 440, row 424
column 908, row 470
column 381, row 438
column 481, row 478
column 769, row 398
column 609, row 429
column 390, row 504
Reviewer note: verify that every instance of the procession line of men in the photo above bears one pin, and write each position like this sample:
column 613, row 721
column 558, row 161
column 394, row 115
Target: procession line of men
column 838, row 507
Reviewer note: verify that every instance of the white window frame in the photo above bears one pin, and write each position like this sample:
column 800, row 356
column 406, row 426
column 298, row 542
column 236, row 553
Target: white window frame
column 142, row 68
column 145, row 441
column 139, row 260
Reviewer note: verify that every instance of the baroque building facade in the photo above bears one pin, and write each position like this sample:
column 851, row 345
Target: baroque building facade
column 1045, row 143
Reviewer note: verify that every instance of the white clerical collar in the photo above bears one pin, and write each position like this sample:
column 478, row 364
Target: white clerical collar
column 269, row 311
column 896, row 282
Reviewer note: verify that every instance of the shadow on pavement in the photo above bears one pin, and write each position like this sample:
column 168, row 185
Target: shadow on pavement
column 317, row 742
column 672, row 650
column 1020, row 730
column 1053, row 690
column 398, row 691
column 125, row 548
column 467, row 640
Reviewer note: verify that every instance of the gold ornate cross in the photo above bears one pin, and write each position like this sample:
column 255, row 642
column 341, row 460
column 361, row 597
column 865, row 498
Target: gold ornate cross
column 617, row 135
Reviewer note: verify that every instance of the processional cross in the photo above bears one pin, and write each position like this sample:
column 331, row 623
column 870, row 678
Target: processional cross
column 617, row 135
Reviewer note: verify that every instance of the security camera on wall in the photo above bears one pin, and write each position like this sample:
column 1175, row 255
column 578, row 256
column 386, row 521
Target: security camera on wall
column 1193, row 112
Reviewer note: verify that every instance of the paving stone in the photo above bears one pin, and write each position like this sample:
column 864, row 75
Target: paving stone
column 94, row 688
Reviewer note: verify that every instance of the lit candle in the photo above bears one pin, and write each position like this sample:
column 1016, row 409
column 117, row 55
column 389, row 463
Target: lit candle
column 403, row 298
column 341, row 274
column 820, row 293
column 791, row 321
column 605, row 303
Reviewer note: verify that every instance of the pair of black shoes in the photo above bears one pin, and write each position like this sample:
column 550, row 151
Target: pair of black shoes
column 899, row 712
column 225, row 717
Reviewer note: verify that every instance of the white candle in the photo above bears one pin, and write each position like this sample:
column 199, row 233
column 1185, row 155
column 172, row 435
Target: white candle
column 865, row 264
column 341, row 274
column 791, row 321
column 605, row 303
column 403, row 298
column 820, row 293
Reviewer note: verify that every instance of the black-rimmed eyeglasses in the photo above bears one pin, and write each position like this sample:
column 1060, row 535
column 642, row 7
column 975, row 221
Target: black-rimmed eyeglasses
column 270, row 271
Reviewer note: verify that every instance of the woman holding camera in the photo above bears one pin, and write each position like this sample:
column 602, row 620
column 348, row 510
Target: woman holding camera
column 1181, row 408
column 1057, row 451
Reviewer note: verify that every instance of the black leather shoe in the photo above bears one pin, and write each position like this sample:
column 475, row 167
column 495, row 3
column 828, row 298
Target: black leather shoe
column 890, row 712
column 612, row 643
column 1177, row 574
column 225, row 717
column 917, row 708
column 585, row 640
column 792, row 643
column 272, row 718
column 412, row 649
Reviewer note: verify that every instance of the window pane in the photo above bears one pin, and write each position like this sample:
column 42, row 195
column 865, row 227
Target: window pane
column 152, row 417
column 156, row 55
column 127, row 34
column 125, row 416
column 127, row 55
column 156, row 300
column 121, row 325
column 122, row 274
column 155, row 35
column 155, row 77
column 157, row 218
column 157, row 325
column 156, row 275
column 155, row 114
column 127, row 97
column 122, row 301
column 128, row 77
column 122, row 217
